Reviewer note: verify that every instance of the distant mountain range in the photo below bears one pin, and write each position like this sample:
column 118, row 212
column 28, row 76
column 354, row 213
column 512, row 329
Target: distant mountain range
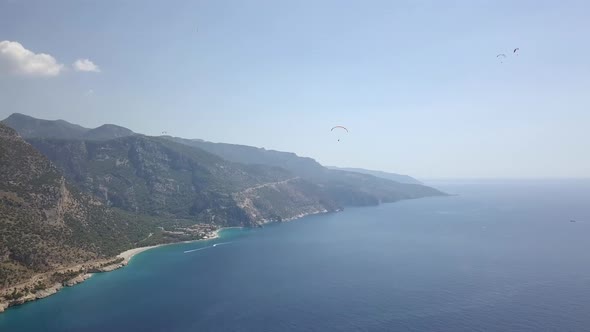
column 346, row 188
column 384, row 175
column 70, row 194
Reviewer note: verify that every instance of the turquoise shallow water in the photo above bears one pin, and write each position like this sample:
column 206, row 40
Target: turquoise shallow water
column 498, row 257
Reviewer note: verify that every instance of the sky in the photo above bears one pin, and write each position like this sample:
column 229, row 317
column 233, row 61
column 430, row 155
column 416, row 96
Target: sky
column 417, row 83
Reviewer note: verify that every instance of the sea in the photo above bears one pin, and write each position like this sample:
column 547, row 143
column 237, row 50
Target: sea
column 494, row 256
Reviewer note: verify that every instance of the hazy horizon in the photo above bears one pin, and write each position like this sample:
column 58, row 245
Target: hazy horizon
column 417, row 83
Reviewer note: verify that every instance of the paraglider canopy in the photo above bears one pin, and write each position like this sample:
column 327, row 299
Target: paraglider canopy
column 501, row 56
column 516, row 51
column 342, row 127
column 339, row 129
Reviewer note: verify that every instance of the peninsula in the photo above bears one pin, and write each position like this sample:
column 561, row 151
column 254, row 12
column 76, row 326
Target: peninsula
column 76, row 201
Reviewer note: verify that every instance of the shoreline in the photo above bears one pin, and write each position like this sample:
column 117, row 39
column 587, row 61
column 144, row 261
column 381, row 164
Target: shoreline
column 85, row 272
column 88, row 269
column 127, row 255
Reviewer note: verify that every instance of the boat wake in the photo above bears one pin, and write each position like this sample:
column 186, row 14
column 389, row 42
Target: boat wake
column 209, row 247
column 193, row 250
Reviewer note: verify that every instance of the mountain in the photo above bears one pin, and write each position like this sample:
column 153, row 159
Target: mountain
column 244, row 154
column 28, row 126
column 47, row 224
column 58, row 221
column 380, row 174
column 157, row 177
column 345, row 187
column 107, row 132
column 83, row 165
column 72, row 198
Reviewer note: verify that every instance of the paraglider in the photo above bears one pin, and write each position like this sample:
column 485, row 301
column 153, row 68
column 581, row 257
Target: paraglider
column 338, row 128
column 516, row 51
column 501, row 56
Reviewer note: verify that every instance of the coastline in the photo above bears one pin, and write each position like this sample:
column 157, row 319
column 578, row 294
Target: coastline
column 85, row 271
column 127, row 255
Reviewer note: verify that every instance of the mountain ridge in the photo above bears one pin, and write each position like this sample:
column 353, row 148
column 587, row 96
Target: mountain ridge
column 30, row 127
column 107, row 132
column 380, row 174
column 347, row 188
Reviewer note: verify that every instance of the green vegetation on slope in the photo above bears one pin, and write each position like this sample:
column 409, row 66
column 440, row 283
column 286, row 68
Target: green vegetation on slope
column 158, row 177
column 45, row 223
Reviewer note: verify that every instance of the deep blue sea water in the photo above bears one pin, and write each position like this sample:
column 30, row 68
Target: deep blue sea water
column 500, row 256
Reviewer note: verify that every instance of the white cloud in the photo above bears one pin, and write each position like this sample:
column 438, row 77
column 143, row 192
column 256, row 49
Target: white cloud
column 16, row 59
column 85, row 65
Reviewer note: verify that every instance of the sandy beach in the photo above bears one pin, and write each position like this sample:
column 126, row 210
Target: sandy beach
column 99, row 266
column 128, row 254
